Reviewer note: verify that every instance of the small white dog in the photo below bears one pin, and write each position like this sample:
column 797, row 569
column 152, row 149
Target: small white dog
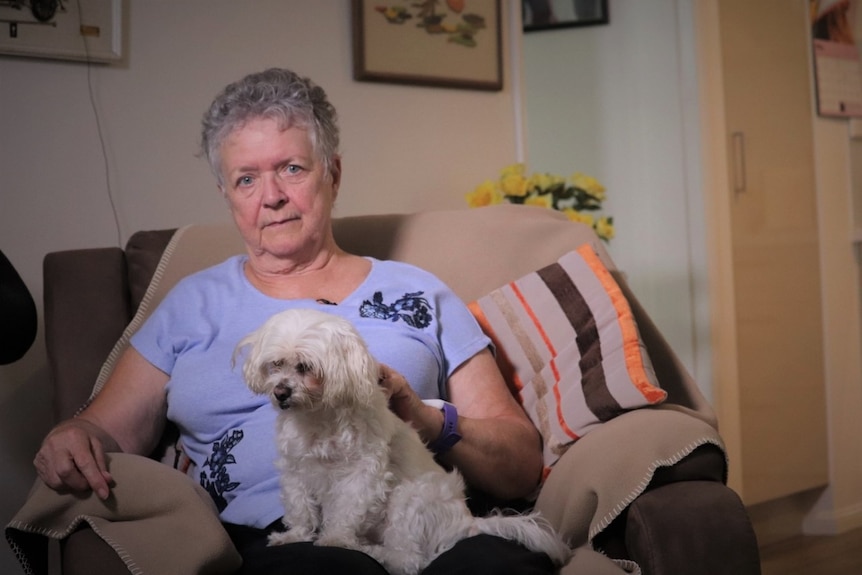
column 353, row 474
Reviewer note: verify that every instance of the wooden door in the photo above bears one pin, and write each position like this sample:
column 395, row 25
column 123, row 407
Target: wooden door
column 776, row 273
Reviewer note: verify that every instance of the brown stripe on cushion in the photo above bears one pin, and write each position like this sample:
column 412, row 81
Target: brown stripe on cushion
column 596, row 393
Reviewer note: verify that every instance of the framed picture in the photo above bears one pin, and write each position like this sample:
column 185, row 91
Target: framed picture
column 552, row 14
column 86, row 30
column 450, row 44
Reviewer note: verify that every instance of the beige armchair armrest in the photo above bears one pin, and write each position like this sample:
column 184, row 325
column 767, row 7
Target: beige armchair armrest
column 603, row 472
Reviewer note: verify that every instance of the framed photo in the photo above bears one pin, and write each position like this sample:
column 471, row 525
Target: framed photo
column 85, row 30
column 450, row 44
column 552, row 14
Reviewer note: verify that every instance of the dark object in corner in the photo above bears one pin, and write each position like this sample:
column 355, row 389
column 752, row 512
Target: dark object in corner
column 17, row 314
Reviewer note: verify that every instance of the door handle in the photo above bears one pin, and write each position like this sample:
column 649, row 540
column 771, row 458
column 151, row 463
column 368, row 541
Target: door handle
column 737, row 142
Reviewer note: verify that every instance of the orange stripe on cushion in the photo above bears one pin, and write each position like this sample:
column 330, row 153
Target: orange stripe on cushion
column 503, row 362
column 534, row 319
column 532, row 353
column 631, row 339
column 559, row 400
column 553, row 364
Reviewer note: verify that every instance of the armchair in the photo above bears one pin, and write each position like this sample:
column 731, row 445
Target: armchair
column 626, row 501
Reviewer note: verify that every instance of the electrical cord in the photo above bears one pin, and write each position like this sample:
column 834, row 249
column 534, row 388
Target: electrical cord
column 97, row 117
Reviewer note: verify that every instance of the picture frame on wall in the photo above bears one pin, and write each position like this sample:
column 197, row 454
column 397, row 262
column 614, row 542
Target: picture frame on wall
column 449, row 44
column 553, row 14
column 84, row 30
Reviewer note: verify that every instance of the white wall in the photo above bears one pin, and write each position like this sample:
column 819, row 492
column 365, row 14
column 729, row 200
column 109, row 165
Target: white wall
column 405, row 149
column 619, row 102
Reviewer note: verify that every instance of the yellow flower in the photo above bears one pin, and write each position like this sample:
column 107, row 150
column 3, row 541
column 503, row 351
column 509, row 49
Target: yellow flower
column 579, row 198
column 590, row 185
column 577, row 216
column 513, row 170
column 540, row 181
column 604, row 228
column 556, row 180
column 514, row 185
column 543, row 201
column 485, row 194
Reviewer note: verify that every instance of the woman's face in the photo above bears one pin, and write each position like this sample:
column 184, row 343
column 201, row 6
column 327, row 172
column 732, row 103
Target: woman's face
column 279, row 194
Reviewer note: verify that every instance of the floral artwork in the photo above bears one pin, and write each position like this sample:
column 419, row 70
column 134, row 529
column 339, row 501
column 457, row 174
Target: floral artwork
column 441, row 43
column 579, row 197
column 459, row 26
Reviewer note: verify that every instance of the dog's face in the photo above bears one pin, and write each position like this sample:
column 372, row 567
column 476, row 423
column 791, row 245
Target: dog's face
column 307, row 359
column 291, row 381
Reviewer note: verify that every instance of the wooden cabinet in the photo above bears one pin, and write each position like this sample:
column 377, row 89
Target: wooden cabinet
column 771, row 391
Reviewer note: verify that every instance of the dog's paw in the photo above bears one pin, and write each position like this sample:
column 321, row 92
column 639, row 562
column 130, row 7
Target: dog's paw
column 290, row 536
column 338, row 540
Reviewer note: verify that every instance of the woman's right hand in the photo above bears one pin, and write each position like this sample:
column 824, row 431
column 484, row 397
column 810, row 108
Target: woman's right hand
column 72, row 458
column 127, row 415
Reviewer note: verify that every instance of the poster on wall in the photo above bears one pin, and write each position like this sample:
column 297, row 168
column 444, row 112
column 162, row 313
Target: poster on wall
column 838, row 69
column 86, row 30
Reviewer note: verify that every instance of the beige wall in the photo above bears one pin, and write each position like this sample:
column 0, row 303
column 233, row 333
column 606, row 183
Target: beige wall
column 405, row 149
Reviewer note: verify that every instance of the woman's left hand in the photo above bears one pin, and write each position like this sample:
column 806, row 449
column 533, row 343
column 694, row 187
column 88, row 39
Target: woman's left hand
column 500, row 451
column 408, row 406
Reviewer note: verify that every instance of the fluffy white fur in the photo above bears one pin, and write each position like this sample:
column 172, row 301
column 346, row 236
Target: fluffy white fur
column 352, row 473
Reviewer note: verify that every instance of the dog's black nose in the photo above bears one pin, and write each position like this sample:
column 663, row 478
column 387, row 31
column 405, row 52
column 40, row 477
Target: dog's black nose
column 282, row 395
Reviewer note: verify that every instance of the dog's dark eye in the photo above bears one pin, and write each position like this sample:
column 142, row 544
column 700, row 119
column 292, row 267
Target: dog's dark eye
column 274, row 366
column 302, row 368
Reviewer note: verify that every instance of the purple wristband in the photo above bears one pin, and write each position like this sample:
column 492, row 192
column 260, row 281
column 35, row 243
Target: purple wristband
column 449, row 435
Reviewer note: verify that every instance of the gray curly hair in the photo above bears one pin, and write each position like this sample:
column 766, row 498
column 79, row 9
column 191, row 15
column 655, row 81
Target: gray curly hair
column 276, row 93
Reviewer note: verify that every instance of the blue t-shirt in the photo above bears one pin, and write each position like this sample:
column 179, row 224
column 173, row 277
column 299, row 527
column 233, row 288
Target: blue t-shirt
column 409, row 319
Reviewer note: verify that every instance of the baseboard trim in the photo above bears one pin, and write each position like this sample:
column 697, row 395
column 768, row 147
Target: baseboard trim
column 783, row 518
column 833, row 521
column 807, row 513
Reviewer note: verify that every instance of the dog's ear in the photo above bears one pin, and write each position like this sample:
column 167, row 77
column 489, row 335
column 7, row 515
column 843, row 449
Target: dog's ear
column 252, row 368
column 351, row 372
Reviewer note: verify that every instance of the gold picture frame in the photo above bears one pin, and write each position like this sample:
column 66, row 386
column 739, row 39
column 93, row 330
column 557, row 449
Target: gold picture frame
column 449, row 44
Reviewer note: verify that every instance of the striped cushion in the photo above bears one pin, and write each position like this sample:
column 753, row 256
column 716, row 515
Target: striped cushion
column 568, row 345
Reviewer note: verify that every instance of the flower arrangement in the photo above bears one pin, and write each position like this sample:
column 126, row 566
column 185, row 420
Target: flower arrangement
column 578, row 198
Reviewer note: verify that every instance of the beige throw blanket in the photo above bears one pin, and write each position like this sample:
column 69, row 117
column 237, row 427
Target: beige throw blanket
column 158, row 520
column 174, row 528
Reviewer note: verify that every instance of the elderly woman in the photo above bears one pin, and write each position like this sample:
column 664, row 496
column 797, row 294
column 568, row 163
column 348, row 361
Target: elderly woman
column 272, row 142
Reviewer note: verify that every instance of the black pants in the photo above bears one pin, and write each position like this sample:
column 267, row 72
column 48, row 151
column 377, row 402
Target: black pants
column 480, row 555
